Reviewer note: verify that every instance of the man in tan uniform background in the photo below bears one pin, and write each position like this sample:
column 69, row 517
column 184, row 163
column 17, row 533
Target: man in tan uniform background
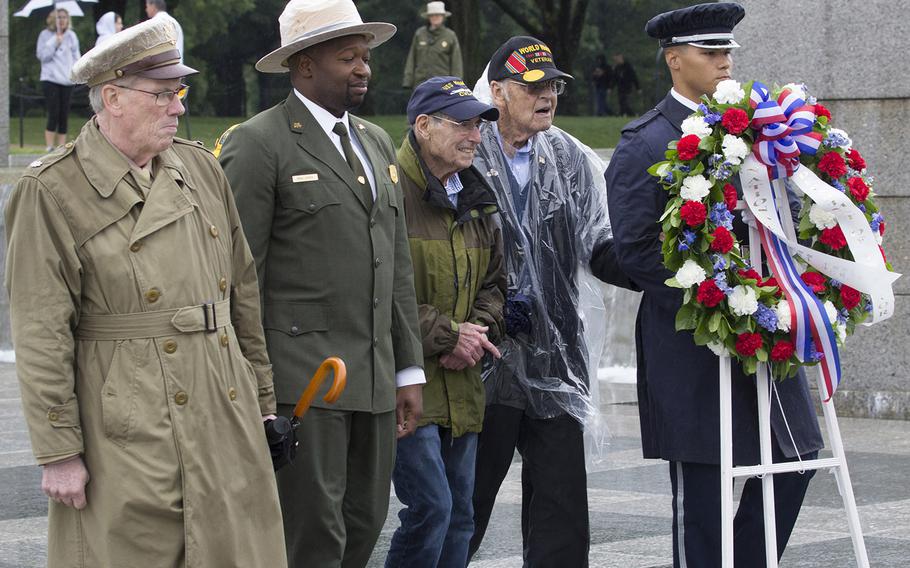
column 136, row 324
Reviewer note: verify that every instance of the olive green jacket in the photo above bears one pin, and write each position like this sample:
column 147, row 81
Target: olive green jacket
column 459, row 277
column 433, row 53
column 115, row 362
column 335, row 272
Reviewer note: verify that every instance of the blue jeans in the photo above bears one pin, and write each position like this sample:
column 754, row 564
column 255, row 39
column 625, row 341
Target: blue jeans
column 434, row 479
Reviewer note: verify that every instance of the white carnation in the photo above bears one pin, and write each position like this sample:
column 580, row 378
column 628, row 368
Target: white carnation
column 696, row 125
column 822, row 218
column 695, row 188
column 797, row 89
column 743, row 301
column 690, row 274
column 729, row 92
column 735, row 149
column 831, row 311
column 783, row 316
column 718, row 348
column 841, row 331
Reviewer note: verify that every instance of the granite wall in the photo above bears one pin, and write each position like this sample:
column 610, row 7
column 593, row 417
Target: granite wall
column 850, row 56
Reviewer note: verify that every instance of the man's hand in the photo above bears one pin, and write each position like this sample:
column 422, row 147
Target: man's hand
column 472, row 342
column 65, row 482
column 408, row 409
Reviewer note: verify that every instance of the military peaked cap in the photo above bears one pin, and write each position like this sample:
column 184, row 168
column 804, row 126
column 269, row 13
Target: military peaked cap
column 709, row 26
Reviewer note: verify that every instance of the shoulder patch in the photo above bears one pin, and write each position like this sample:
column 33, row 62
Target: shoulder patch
column 223, row 138
column 641, row 121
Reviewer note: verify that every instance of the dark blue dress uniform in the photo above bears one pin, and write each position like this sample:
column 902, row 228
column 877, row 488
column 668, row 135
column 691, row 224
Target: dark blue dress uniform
column 678, row 384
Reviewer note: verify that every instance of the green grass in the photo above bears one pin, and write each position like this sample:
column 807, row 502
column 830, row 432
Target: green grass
column 595, row 131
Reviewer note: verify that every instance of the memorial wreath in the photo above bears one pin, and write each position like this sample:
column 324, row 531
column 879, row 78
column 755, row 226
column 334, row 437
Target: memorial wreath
column 828, row 271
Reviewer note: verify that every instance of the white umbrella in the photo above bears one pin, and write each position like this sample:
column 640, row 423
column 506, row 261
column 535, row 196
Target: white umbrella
column 42, row 7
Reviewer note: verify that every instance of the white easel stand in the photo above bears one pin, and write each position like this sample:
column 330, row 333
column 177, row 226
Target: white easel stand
column 767, row 468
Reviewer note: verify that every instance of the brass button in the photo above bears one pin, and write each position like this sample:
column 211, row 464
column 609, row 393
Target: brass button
column 375, row 302
column 375, row 341
column 170, row 346
column 136, row 246
column 294, row 329
column 152, row 295
column 181, row 397
column 53, row 416
column 377, row 262
column 222, row 284
column 232, row 393
column 224, row 340
column 372, row 222
column 68, row 145
column 214, row 231
column 312, row 206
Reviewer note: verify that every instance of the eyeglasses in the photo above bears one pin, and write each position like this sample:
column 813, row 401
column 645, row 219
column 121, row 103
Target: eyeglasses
column 465, row 126
column 164, row 98
column 557, row 86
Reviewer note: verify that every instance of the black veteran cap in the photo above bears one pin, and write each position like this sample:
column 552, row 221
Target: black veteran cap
column 525, row 59
column 708, row 26
column 448, row 95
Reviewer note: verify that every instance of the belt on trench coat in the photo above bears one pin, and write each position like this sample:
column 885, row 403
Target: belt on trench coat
column 146, row 325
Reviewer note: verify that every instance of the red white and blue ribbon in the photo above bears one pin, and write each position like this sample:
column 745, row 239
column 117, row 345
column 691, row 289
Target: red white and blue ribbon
column 783, row 130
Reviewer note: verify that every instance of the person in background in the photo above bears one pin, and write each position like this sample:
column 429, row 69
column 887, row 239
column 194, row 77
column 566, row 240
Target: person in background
column 454, row 237
column 626, row 82
column 107, row 25
column 158, row 9
column 58, row 51
column 434, row 50
column 601, row 81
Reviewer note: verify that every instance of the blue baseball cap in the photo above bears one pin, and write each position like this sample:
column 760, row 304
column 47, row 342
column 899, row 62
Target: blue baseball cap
column 450, row 96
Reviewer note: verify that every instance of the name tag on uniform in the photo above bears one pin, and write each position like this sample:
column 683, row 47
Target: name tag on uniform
column 305, row 177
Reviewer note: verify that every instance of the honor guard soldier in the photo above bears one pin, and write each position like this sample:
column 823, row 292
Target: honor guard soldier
column 678, row 386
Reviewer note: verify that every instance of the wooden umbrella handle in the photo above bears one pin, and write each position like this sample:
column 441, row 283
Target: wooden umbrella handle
column 338, row 384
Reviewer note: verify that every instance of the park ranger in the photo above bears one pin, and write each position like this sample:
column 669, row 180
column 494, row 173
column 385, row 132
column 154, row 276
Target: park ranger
column 139, row 348
column 434, row 50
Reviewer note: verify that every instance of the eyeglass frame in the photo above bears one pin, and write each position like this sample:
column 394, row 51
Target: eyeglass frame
column 462, row 126
column 168, row 100
column 557, row 86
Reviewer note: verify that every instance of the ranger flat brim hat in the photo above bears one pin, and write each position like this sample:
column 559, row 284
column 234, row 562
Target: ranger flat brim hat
column 708, row 26
column 435, row 9
column 525, row 59
column 304, row 23
column 450, row 96
column 147, row 50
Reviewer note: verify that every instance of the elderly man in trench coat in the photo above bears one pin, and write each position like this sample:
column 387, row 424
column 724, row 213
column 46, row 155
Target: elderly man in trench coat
column 139, row 348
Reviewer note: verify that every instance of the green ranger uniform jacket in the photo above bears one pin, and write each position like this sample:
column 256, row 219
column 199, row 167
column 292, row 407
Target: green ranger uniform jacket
column 459, row 277
column 135, row 317
column 335, row 272
column 433, row 53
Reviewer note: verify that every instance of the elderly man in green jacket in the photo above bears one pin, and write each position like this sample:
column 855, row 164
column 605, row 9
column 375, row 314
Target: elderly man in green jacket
column 434, row 50
column 456, row 245
column 318, row 195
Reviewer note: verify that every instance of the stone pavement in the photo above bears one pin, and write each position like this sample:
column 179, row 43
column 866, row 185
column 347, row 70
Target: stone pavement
column 629, row 501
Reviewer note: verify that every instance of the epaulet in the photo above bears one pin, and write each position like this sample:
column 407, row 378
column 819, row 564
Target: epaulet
column 641, row 121
column 44, row 162
column 223, row 138
column 192, row 143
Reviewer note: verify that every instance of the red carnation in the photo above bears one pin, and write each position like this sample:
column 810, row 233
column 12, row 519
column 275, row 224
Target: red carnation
column 822, row 111
column 730, row 197
column 693, row 213
column 833, row 237
column 855, row 160
column 723, row 240
column 687, row 147
column 750, row 274
column 782, row 350
column 748, row 343
column 709, row 294
column 849, row 297
column 735, row 120
column 814, row 280
column 858, row 188
column 832, row 164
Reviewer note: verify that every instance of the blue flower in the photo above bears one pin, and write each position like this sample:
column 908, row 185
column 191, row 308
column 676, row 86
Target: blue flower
column 815, row 355
column 724, row 171
column 835, row 283
column 720, row 280
column 683, row 168
column 721, row 216
column 714, row 158
column 766, row 317
column 876, row 221
column 838, row 186
column 842, row 316
column 862, row 207
column 836, row 140
column 668, row 178
column 719, row 262
column 811, row 100
column 686, row 239
column 703, row 108
column 712, row 118
column 868, row 307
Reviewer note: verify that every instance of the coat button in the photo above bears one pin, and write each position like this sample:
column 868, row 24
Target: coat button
column 375, row 341
column 232, row 393
column 214, row 231
column 170, row 346
column 152, row 295
column 222, row 284
column 377, row 262
column 375, row 302
column 224, row 340
column 372, row 222
column 312, row 206
column 136, row 246
column 53, row 416
column 181, row 397
column 294, row 329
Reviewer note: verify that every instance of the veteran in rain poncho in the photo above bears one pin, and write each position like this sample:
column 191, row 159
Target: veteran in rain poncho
column 136, row 324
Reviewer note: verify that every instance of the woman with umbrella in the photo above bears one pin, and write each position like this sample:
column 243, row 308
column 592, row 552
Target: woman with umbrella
column 58, row 50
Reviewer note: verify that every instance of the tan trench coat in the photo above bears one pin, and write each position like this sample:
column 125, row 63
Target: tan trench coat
column 166, row 413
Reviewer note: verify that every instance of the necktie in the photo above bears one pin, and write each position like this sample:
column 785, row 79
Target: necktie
column 354, row 163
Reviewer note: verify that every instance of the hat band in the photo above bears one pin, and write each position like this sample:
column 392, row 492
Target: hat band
column 699, row 37
column 322, row 30
column 152, row 61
